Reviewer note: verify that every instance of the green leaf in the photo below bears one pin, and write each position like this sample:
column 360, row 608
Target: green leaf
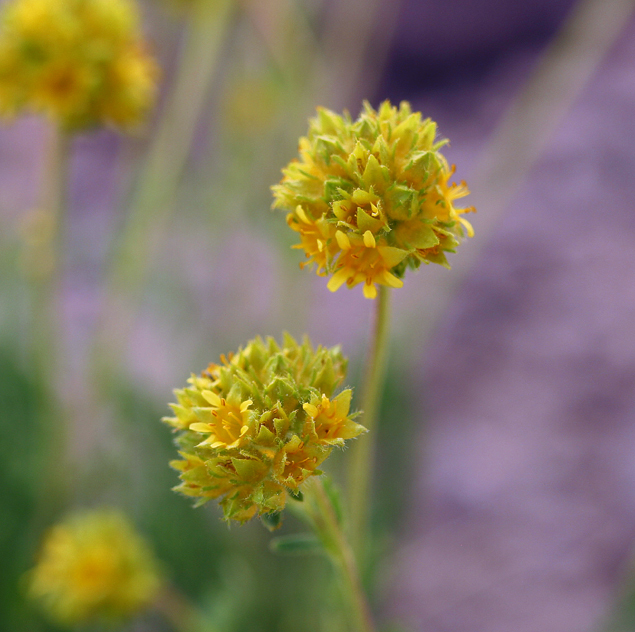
column 271, row 520
column 421, row 163
column 297, row 544
column 296, row 495
column 248, row 469
column 374, row 174
column 333, row 492
column 366, row 222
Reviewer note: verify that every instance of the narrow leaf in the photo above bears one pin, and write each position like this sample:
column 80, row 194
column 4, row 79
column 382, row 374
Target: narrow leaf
column 297, row 544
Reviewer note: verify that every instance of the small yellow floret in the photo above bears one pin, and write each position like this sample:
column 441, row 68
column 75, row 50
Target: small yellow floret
column 225, row 423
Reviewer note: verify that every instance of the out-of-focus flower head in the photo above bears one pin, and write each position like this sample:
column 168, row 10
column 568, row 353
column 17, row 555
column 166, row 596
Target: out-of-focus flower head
column 81, row 62
column 372, row 197
column 94, row 566
column 253, row 428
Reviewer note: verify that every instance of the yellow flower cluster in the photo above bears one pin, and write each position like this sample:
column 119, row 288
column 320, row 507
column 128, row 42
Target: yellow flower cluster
column 81, row 62
column 372, row 197
column 94, row 566
column 254, row 427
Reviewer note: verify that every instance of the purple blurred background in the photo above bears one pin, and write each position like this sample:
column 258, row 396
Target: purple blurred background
column 524, row 514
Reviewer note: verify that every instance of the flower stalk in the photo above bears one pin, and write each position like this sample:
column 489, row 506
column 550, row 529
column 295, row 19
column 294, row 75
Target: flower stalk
column 363, row 450
column 319, row 509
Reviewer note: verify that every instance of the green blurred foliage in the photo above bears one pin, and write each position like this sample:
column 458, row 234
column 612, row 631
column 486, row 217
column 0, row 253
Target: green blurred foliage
column 23, row 451
column 229, row 572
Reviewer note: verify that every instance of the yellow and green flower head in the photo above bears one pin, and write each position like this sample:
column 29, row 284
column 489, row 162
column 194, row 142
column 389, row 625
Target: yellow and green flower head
column 253, row 428
column 94, row 566
column 81, row 62
column 372, row 197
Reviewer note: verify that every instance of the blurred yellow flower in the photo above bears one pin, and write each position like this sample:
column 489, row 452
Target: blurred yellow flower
column 253, row 428
column 372, row 197
column 93, row 565
column 81, row 62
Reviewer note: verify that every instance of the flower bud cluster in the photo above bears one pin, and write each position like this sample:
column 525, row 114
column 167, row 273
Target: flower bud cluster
column 94, row 566
column 372, row 197
column 253, row 428
column 81, row 62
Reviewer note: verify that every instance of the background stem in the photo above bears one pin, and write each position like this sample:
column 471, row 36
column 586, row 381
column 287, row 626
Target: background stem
column 46, row 259
column 47, row 332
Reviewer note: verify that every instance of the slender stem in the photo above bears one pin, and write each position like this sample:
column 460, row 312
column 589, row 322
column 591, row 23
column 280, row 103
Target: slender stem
column 329, row 530
column 45, row 256
column 45, row 267
column 363, row 450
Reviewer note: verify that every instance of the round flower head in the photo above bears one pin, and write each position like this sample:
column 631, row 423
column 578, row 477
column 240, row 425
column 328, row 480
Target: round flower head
column 94, row 566
column 81, row 62
column 372, row 197
column 254, row 427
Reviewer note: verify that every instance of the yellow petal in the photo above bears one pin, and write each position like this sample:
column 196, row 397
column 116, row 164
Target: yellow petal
column 391, row 255
column 370, row 291
column 338, row 279
column 341, row 209
column 311, row 410
column 387, row 278
column 342, row 240
column 468, row 227
column 343, row 403
column 369, row 240
column 212, row 398
column 299, row 211
column 201, row 427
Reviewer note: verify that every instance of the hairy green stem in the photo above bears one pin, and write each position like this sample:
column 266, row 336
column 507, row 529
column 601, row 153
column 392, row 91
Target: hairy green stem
column 363, row 450
column 324, row 518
